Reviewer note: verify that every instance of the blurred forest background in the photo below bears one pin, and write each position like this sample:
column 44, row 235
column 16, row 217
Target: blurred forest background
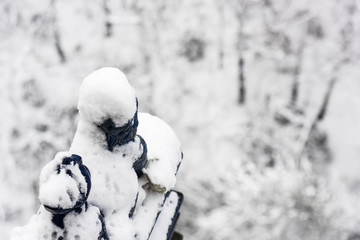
column 263, row 94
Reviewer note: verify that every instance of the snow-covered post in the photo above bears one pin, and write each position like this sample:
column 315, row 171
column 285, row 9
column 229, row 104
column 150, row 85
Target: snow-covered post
column 65, row 184
column 136, row 155
column 132, row 170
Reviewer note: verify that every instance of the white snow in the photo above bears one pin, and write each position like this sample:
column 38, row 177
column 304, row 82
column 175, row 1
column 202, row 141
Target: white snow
column 114, row 182
column 164, row 150
column 220, row 138
column 106, row 93
column 85, row 225
column 165, row 218
column 61, row 190
column 39, row 227
column 145, row 216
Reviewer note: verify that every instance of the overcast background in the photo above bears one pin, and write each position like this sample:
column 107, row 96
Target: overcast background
column 263, row 95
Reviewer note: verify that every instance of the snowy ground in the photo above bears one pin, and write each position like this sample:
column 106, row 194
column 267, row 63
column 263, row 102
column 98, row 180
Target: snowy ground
column 252, row 171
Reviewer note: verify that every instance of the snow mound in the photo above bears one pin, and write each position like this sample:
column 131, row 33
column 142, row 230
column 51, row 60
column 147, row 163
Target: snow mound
column 39, row 227
column 114, row 183
column 164, row 151
column 61, row 186
column 85, row 224
column 106, row 93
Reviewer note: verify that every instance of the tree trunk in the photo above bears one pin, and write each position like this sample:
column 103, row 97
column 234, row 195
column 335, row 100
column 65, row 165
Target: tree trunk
column 318, row 118
column 325, row 103
column 58, row 46
column 295, row 87
column 242, row 89
column 241, row 10
column 56, row 33
column 108, row 23
column 221, row 35
column 296, row 76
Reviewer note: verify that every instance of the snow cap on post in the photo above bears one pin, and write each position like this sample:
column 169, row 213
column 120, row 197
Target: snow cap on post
column 64, row 184
column 106, row 93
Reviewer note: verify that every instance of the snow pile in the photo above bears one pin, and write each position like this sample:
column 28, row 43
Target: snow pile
column 65, row 214
column 39, row 227
column 61, row 186
column 85, row 225
column 106, row 93
column 164, row 150
column 114, row 183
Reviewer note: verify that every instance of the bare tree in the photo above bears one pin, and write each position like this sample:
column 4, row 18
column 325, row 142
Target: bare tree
column 56, row 33
column 58, row 46
column 151, row 15
column 241, row 8
column 241, row 76
column 294, row 96
column 325, row 103
column 221, row 46
column 292, row 48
